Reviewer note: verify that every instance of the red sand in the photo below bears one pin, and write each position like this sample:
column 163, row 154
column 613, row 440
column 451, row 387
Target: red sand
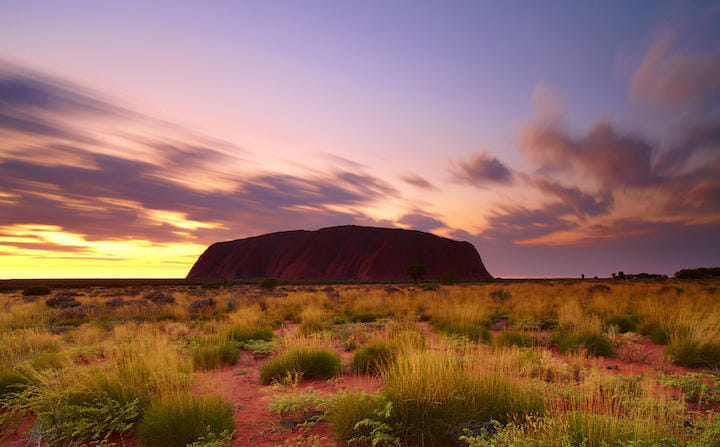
column 256, row 426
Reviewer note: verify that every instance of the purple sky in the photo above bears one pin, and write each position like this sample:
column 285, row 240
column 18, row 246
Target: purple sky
column 559, row 137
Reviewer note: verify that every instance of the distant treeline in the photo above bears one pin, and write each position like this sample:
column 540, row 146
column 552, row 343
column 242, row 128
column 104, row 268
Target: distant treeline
column 700, row 273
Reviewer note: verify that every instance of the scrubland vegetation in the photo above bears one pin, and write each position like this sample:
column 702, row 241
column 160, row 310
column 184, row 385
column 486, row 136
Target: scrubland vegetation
column 546, row 363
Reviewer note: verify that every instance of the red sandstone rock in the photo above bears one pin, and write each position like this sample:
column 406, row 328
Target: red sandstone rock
column 342, row 253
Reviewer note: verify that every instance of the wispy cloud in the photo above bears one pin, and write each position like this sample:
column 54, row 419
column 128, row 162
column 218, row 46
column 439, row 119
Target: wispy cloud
column 481, row 170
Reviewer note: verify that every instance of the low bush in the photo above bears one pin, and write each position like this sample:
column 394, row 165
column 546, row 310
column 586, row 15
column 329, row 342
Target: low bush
column 310, row 327
column 511, row 338
column 625, row 323
column 347, row 408
column 407, row 340
column 268, row 283
column 569, row 429
column 180, row 420
column 600, row 430
column 37, row 291
column 372, row 358
column 261, row 346
column 473, row 332
column 4, row 288
column 243, row 334
column 658, row 334
column 433, row 393
column 697, row 387
column 311, row 362
column 686, row 351
column 594, row 344
column 212, row 354
column 363, row 317
column 305, row 404
column 312, row 319
column 11, row 379
column 499, row 296
column 69, row 409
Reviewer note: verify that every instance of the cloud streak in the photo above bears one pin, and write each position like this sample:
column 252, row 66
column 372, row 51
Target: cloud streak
column 481, row 170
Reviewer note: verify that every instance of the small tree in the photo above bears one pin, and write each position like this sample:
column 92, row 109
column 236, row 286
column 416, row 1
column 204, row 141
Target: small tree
column 268, row 283
column 416, row 272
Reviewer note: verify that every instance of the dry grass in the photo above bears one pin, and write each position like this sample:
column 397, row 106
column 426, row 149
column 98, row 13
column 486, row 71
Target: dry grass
column 125, row 359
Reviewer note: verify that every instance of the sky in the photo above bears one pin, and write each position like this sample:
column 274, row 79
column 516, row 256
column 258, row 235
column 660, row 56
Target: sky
column 559, row 137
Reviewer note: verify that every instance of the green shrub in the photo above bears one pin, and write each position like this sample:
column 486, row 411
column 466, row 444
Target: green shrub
column 434, row 393
column 268, row 283
column 600, row 430
column 697, row 387
column 243, row 334
column 261, row 346
column 571, row 429
column 48, row 360
column 295, row 403
column 625, row 323
column 685, row 350
column 363, row 317
column 71, row 412
column 11, row 379
column 448, row 278
column 183, row 419
column 310, row 327
column 214, row 354
column 37, row 291
column 372, row 358
column 659, row 336
column 407, row 339
column 473, row 332
column 347, row 408
column 594, row 344
column 512, row 338
column 313, row 363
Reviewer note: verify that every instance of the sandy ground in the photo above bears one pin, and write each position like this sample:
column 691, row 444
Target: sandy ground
column 258, row 427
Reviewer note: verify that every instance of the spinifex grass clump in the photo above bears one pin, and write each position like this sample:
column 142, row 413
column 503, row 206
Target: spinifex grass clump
column 512, row 338
column 468, row 319
column 312, row 319
column 214, row 352
column 695, row 346
column 183, row 419
column 573, row 429
column 243, row 333
column 70, row 409
column 433, row 393
column 268, row 283
column 37, row 291
column 144, row 368
column 23, row 351
column 594, row 344
column 372, row 358
column 658, row 334
column 348, row 408
column 473, row 332
column 311, row 362
column 624, row 322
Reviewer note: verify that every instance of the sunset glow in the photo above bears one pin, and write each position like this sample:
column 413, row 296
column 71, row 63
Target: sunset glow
column 559, row 138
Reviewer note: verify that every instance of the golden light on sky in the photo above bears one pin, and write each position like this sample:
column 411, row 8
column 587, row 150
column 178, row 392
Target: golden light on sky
column 561, row 140
column 70, row 255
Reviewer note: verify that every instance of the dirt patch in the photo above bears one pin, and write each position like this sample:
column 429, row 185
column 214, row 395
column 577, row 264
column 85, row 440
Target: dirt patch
column 256, row 426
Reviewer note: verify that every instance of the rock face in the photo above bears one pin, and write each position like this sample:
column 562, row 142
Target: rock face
column 339, row 253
